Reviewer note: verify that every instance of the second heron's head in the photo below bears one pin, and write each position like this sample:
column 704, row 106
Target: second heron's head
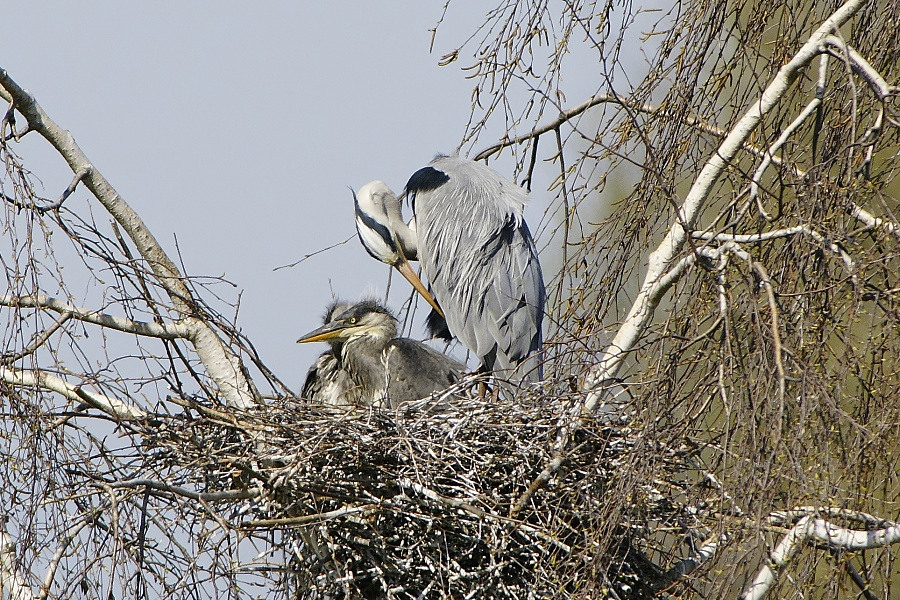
column 367, row 319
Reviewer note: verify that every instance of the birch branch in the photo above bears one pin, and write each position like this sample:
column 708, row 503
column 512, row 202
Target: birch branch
column 167, row 331
column 12, row 581
column 659, row 260
column 160, row 486
column 43, row 380
column 839, row 49
column 68, row 537
column 685, row 567
column 808, row 530
column 222, row 364
column 753, row 238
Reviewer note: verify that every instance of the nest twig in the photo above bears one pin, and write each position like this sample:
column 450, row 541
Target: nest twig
column 410, row 503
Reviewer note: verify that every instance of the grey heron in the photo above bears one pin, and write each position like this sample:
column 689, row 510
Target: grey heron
column 384, row 235
column 476, row 250
column 327, row 382
column 385, row 370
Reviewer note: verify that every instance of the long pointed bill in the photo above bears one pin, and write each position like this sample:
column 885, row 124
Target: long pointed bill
column 407, row 271
column 324, row 333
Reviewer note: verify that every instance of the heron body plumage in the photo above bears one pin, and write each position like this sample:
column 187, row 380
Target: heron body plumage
column 385, row 370
column 481, row 261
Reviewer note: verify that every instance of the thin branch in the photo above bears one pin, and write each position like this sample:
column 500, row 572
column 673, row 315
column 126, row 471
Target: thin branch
column 775, row 147
column 563, row 117
column 43, row 208
column 685, row 567
column 12, row 581
column 41, row 379
column 754, row 238
column 39, row 341
column 838, row 48
column 873, row 222
column 776, row 328
column 161, row 486
column 307, row 519
column 67, row 538
column 166, row 331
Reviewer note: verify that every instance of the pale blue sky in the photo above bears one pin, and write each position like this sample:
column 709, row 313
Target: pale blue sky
column 238, row 128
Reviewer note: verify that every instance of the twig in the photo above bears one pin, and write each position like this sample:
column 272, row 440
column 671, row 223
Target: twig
column 166, row 331
column 39, row 341
column 307, row 519
column 41, row 379
column 311, row 254
column 161, row 486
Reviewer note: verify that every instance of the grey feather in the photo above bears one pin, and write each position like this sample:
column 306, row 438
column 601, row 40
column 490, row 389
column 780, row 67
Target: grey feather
column 369, row 365
column 327, row 382
column 480, row 260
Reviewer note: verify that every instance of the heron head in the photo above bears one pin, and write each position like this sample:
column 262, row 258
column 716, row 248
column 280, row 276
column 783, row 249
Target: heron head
column 376, row 198
column 366, row 319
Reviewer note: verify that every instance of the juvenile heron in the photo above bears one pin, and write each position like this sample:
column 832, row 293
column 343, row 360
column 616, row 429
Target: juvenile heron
column 327, row 382
column 476, row 250
column 383, row 368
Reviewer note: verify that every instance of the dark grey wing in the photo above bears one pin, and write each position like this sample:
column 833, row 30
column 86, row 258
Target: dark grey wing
column 436, row 326
column 328, row 383
column 415, row 370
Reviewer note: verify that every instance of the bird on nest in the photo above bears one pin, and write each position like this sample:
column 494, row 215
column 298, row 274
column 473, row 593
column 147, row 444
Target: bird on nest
column 368, row 364
column 468, row 232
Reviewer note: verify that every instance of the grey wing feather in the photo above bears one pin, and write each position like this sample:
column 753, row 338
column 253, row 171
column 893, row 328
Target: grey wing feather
column 328, row 383
column 484, row 261
column 414, row 370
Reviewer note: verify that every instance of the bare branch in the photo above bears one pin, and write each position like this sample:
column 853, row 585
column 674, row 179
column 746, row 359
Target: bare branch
column 41, row 379
column 771, row 150
column 166, row 331
column 64, row 544
column 776, row 234
column 223, row 366
column 839, row 49
column 808, row 530
column 11, row 579
column 161, row 486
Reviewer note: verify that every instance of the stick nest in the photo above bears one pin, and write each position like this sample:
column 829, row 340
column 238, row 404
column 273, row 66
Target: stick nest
column 415, row 503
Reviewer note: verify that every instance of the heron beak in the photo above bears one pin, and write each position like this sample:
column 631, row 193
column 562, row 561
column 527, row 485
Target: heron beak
column 407, row 271
column 322, row 334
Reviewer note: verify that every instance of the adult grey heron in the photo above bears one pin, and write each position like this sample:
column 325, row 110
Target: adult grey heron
column 384, row 235
column 385, row 370
column 478, row 255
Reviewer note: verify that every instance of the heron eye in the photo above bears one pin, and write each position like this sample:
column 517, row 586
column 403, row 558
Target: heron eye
column 352, row 320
